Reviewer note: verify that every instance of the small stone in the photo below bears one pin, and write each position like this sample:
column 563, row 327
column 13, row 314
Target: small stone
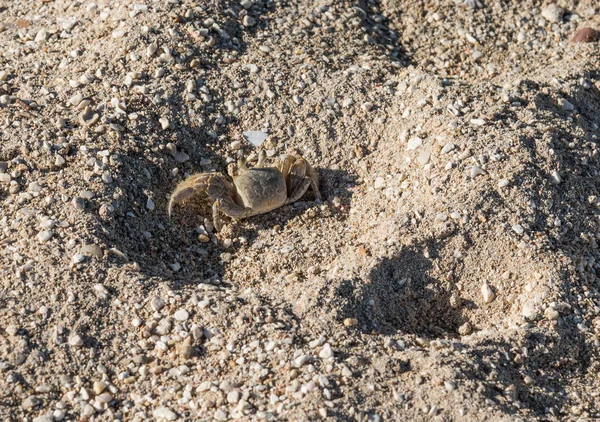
column 164, row 123
column 59, row 160
column 300, row 360
column 566, row 105
column 476, row 171
column 465, row 329
column 220, row 415
column 347, row 102
column 233, row 397
column 326, row 352
column 248, row 21
column 518, row 229
column 99, row 387
column 181, row 315
column 350, row 322
column 157, row 303
column 150, row 204
column 41, row 36
column 447, row 148
column 78, row 258
column 30, row 402
column 164, row 413
column 255, row 137
column 487, row 293
column 423, row 157
column 75, row 340
column 551, row 313
column 414, row 143
column 5, row 178
column 367, row 106
column 585, row 35
column 502, row 183
column 553, row 13
column 45, row 236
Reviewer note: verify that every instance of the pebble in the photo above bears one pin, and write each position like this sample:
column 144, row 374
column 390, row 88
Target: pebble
column 300, row 360
column 465, row 329
column 5, row 178
column 255, row 137
column 248, row 21
column 518, row 229
column 78, row 258
column 164, row 413
column 423, row 157
column 99, row 387
column 585, row 35
column 157, row 303
column 150, row 204
column 164, row 123
column 326, row 352
column 75, row 340
column 350, row 322
column 476, row 171
column 448, row 148
column 181, row 315
column 487, row 293
column 556, row 177
column 233, row 397
column 367, row 106
column 502, row 183
column 45, row 235
column 414, row 143
column 553, row 13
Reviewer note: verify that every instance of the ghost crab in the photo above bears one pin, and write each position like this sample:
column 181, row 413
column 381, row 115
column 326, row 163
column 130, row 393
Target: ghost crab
column 254, row 190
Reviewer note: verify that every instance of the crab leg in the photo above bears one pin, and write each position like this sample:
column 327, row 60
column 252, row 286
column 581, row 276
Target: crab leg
column 191, row 186
column 230, row 209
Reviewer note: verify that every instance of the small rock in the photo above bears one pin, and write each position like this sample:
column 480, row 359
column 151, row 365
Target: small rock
column 164, row 413
column 423, row 157
column 181, row 315
column 326, row 352
column 487, row 293
column 255, row 137
column 518, row 229
column 414, row 143
column 465, row 329
column 553, row 13
column 45, row 235
column 75, row 340
column 248, row 21
column 350, row 322
column 233, row 397
column 300, row 360
column 585, row 35
column 157, row 303
column 164, row 123
column 476, row 171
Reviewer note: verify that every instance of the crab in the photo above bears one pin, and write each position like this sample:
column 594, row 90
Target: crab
column 253, row 190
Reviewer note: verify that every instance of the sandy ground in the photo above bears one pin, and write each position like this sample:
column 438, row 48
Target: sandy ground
column 449, row 273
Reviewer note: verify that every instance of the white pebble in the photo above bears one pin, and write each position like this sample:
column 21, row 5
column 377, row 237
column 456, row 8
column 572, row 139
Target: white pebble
column 414, row 143
column 164, row 413
column 164, row 123
column 487, row 293
column 326, row 352
column 45, row 235
column 518, row 229
column 75, row 340
column 181, row 315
